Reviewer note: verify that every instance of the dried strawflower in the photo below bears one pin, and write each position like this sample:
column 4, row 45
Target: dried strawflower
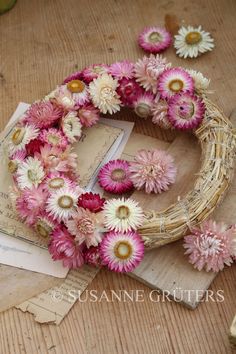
column 30, row 173
column 154, row 39
column 121, row 252
column 43, row 114
column 173, row 81
column 91, row 201
column 210, row 246
column 153, row 170
column 122, row 69
column 143, row 104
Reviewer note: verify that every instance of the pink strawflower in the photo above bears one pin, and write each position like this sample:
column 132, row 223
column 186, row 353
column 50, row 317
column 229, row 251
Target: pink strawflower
column 45, row 225
column 54, row 137
column 86, row 227
column 128, row 90
column 121, row 252
column 210, row 246
column 93, row 71
column 78, row 75
column 33, row 147
column 92, row 256
column 114, row 177
column 56, row 160
column 43, row 114
column 159, row 112
column 153, row 170
column 186, row 111
column 31, row 203
column 56, row 180
column 88, row 115
column 173, row 81
column 91, row 201
column 154, row 39
column 148, row 70
column 122, row 69
column 143, row 104
column 64, row 247
column 72, row 95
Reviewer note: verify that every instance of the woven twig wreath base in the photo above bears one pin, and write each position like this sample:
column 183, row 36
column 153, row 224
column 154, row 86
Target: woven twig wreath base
column 218, row 144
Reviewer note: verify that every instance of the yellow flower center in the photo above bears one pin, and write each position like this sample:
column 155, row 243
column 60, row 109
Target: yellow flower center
column 123, row 212
column 18, row 136
column 154, row 37
column 118, row 175
column 32, row 175
column 193, row 38
column 53, row 139
column 123, row 250
column 176, row 85
column 56, row 183
column 76, row 86
column 43, row 230
column 12, row 166
column 65, row 202
column 143, row 110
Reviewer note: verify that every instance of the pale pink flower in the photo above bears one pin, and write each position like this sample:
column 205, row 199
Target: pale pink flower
column 93, row 71
column 86, row 227
column 31, row 203
column 88, row 115
column 43, row 114
column 153, row 170
column 143, row 104
column 122, row 69
column 64, row 247
column 173, row 81
column 210, row 246
column 159, row 113
column 148, row 70
column 54, row 137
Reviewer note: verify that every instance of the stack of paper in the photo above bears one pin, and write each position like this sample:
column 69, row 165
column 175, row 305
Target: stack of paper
column 22, row 248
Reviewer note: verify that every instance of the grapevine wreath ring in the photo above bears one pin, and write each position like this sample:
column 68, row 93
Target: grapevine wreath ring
column 44, row 167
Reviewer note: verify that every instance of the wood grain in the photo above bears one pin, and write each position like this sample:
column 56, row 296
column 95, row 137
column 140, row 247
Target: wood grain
column 43, row 41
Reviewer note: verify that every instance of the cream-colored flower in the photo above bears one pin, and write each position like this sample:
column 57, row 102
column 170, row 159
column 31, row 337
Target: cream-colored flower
column 21, row 136
column 122, row 215
column 71, row 126
column 30, row 173
column 103, row 94
column 191, row 42
column 201, row 83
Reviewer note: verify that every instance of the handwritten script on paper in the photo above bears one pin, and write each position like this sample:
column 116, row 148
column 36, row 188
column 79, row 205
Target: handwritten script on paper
column 91, row 150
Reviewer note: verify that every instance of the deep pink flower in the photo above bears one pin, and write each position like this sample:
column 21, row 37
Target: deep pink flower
column 33, row 147
column 154, row 39
column 153, row 170
column 122, row 69
column 128, row 90
column 186, row 111
column 114, row 177
column 121, row 252
column 31, row 203
column 91, row 201
column 210, row 246
column 43, row 114
column 92, row 256
column 63, row 247
column 173, row 81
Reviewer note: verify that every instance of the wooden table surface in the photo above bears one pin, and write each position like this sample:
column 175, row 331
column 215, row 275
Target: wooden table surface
column 40, row 43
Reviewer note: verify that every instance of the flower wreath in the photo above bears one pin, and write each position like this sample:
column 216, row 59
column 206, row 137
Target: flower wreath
column 83, row 227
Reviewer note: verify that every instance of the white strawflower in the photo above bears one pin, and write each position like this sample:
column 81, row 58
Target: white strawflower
column 103, row 94
column 201, row 83
column 30, row 173
column 191, row 42
column 71, row 126
column 21, row 136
